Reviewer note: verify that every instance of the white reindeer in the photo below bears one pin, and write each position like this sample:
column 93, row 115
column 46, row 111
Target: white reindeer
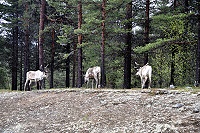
column 36, row 76
column 145, row 73
column 93, row 73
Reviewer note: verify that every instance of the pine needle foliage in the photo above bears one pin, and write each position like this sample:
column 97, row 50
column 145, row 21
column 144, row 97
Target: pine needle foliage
column 152, row 46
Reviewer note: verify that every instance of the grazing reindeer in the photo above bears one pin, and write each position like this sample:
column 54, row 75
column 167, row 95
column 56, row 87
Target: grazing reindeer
column 145, row 73
column 93, row 73
column 36, row 76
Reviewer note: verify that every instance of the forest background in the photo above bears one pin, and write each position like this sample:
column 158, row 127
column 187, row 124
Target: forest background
column 71, row 36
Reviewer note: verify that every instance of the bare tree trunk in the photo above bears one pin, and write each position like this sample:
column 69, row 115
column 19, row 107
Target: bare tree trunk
column 172, row 82
column 67, row 82
column 186, row 6
column 26, row 47
column 74, row 66
column 80, row 75
column 172, row 67
column 175, row 3
column 198, row 60
column 147, row 29
column 103, row 75
column 198, row 50
column 127, row 52
column 52, row 57
column 41, row 36
column 15, row 58
column 15, row 31
column 21, row 69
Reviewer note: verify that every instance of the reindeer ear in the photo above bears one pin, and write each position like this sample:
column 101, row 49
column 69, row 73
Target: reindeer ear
column 41, row 67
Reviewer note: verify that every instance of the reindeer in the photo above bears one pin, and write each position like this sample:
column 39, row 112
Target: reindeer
column 93, row 73
column 144, row 73
column 35, row 76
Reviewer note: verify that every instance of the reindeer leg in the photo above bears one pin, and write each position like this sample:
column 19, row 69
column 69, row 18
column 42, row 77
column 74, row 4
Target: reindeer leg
column 25, row 85
column 37, row 82
column 149, row 83
column 99, row 82
column 142, row 84
column 40, row 84
column 92, row 83
column 87, row 83
column 144, row 81
column 96, row 79
column 29, row 85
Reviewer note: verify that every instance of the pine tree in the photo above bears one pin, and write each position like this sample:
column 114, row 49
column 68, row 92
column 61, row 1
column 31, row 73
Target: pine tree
column 103, row 74
column 41, row 34
column 80, row 58
column 198, row 49
column 128, row 45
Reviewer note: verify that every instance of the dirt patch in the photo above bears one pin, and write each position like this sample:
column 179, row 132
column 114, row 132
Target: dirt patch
column 99, row 111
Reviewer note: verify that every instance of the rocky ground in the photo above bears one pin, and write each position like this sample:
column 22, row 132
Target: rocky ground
column 100, row 111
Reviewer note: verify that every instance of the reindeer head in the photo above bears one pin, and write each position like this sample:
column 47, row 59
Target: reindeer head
column 137, row 67
column 45, row 71
column 139, row 71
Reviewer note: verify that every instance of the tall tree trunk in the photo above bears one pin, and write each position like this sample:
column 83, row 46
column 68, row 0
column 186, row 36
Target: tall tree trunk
column 67, row 82
column 26, row 46
column 80, row 75
column 186, row 6
column 15, row 31
column 15, row 58
column 147, row 29
column 52, row 57
column 41, row 36
column 37, row 55
column 74, row 65
column 175, row 4
column 172, row 67
column 172, row 82
column 198, row 50
column 127, row 56
column 103, row 75
column 21, row 68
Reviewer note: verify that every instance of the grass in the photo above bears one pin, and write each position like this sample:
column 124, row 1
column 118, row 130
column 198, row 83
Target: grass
column 180, row 89
column 5, row 90
column 188, row 89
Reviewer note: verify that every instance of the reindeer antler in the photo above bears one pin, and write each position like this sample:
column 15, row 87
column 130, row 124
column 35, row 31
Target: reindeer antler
column 136, row 63
column 46, row 66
